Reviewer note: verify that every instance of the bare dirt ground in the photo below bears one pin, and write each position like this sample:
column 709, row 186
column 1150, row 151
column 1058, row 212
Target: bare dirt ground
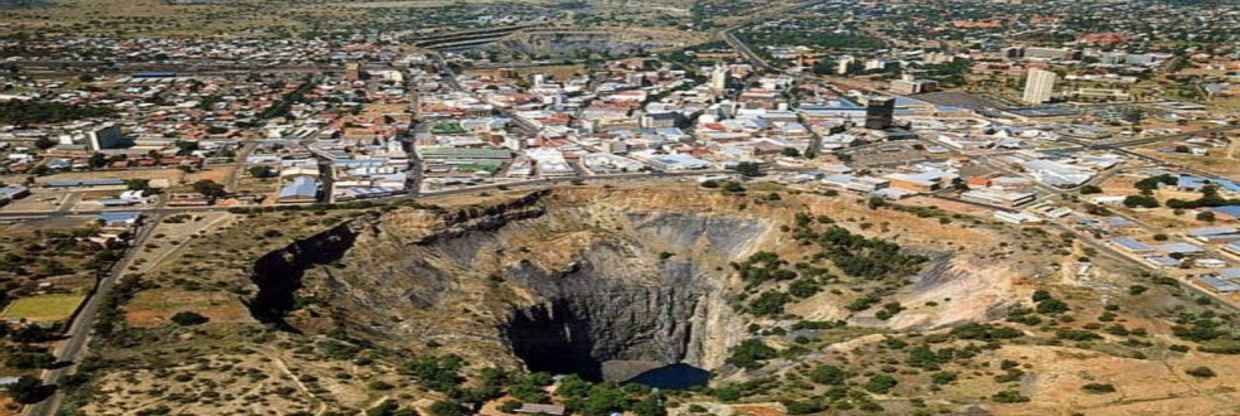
column 7, row 407
column 1144, row 387
column 758, row 409
column 153, row 308
column 1217, row 161
column 170, row 237
column 950, row 206
column 218, row 174
column 36, row 202
column 171, row 174
column 126, row 394
column 159, row 17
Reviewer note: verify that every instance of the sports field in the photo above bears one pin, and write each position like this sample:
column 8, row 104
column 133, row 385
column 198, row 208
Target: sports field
column 43, row 308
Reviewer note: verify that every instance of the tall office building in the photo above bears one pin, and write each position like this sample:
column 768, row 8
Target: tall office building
column 107, row 136
column 719, row 79
column 880, row 113
column 843, row 64
column 1039, row 86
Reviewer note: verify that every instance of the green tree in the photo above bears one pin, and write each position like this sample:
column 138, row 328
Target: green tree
column 447, row 408
column 603, row 400
column 750, row 354
column 881, row 384
column 943, row 377
column 44, row 143
column 209, row 188
column 769, row 303
column 750, row 169
column 98, row 160
column 828, row 375
column 652, row 405
column 573, row 386
column 262, row 171
column 436, row 373
column 29, row 390
column 1140, row 201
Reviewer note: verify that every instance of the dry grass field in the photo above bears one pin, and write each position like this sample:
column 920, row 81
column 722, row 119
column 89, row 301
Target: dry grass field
column 43, row 308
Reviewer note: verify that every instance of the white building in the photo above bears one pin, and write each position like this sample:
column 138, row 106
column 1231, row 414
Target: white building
column 1039, row 86
column 719, row 79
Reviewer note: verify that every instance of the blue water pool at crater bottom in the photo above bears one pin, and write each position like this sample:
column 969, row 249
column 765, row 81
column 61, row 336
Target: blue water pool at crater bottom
column 673, row 377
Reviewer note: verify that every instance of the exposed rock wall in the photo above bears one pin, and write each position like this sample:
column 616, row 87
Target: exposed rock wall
column 610, row 296
column 278, row 274
column 608, row 307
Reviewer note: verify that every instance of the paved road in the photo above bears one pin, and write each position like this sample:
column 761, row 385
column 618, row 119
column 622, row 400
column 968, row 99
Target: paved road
column 72, row 349
column 239, row 165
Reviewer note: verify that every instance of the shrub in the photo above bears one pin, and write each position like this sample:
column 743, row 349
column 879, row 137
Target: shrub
column 804, row 407
column 1201, row 372
column 1076, row 335
column 447, row 408
column 828, row 375
column 881, row 384
column 29, row 360
column 436, row 373
column 727, row 393
column 750, row 354
column 862, row 303
column 986, row 332
column 1097, row 388
column 804, row 288
column 1052, row 306
column 1009, row 396
column 769, row 303
column 943, row 377
column 889, row 310
column 510, row 406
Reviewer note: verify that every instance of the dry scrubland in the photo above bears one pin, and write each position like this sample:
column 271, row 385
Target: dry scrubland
column 158, row 18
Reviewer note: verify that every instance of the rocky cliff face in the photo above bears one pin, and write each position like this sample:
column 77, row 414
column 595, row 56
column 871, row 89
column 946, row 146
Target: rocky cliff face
column 558, row 288
column 278, row 275
column 589, row 316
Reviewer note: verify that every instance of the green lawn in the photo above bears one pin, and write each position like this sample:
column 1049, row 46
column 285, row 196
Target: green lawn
column 43, row 308
column 448, row 128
